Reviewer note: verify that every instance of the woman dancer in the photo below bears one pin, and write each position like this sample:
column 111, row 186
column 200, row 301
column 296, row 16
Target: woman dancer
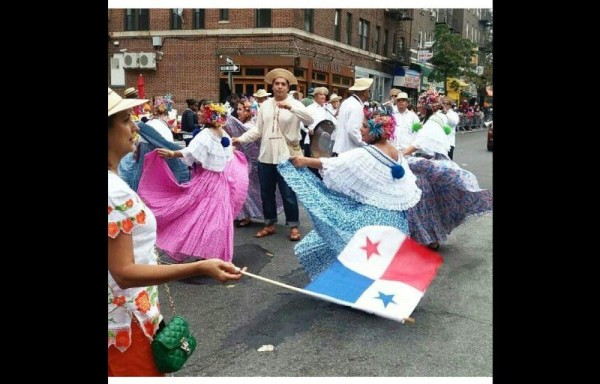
column 369, row 185
column 194, row 219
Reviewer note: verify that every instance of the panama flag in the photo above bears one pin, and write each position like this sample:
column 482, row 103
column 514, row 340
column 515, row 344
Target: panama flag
column 381, row 271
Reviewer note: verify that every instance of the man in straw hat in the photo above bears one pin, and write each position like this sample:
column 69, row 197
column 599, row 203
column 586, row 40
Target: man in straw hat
column 334, row 104
column 278, row 128
column 350, row 117
column 319, row 113
column 132, row 93
column 405, row 121
column 261, row 96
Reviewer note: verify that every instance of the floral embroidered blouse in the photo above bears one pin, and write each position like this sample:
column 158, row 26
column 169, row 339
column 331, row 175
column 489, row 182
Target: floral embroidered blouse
column 127, row 213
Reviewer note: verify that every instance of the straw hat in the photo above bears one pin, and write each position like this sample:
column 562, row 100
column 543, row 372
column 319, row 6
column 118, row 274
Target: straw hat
column 322, row 90
column 280, row 72
column 261, row 93
column 394, row 92
column 117, row 104
column 401, row 95
column 334, row 97
column 130, row 93
column 361, row 84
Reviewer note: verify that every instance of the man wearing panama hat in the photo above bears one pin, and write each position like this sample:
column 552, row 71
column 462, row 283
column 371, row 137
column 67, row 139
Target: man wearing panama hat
column 350, row 117
column 278, row 128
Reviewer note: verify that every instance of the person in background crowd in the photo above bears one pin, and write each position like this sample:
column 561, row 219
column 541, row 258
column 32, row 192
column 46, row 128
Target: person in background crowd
column 319, row 112
column 393, row 100
column 138, row 110
column 252, row 208
column 405, row 122
column 278, row 128
column 189, row 119
column 350, row 118
column 133, row 273
column 334, row 104
column 309, row 99
column 261, row 96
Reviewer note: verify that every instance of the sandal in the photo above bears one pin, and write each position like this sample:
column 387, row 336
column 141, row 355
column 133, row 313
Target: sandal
column 265, row 232
column 243, row 223
column 294, row 234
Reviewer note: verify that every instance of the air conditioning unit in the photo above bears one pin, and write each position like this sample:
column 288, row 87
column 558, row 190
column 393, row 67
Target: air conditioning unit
column 130, row 60
column 147, row 60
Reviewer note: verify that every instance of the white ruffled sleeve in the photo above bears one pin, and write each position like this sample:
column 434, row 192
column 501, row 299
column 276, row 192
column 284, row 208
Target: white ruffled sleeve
column 125, row 209
column 207, row 150
column 359, row 175
column 431, row 138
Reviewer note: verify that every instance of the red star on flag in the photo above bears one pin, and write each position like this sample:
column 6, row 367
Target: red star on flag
column 371, row 248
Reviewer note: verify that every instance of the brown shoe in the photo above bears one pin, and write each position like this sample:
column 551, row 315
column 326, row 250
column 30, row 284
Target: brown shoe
column 294, row 234
column 266, row 231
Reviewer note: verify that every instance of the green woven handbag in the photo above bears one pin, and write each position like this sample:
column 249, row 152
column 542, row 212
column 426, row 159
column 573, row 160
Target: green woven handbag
column 173, row 344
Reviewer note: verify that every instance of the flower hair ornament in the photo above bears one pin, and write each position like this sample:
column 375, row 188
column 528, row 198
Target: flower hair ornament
column 215, row 115
column 381, row 124
column 163, row 104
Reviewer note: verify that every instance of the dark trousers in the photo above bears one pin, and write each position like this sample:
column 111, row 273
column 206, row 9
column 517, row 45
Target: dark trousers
column 451, row 153
column 269, row 178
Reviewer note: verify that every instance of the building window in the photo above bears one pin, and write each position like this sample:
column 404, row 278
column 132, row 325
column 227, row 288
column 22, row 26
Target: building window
column 337, row 23
column 176, row 18
column 309, row 18
column 385, row 42
column 395, row 43
column 420, row 38
column 363, row 33
column 467, row 31
column 349, row 28
column 137, row 20
column 319, row 76
column 254, row 71
column 199, row 18
column 376, row 42
column 299, row 73
column 263, row 18
column 223, row 14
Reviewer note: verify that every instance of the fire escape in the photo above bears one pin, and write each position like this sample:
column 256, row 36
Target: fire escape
column 401, row 22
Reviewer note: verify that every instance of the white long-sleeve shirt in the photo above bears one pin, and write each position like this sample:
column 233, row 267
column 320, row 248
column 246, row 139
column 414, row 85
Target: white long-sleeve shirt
column 350, row 120
column 318, row 113
column 404, row 135
column 276, row 127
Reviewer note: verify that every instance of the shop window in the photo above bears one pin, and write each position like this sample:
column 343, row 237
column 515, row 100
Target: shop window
column 346, row 81
column 319, row 76
column 336, row 79
column 249, row 71
column 299, row 73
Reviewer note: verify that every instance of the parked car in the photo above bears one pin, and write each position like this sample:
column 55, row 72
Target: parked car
column 490, row 135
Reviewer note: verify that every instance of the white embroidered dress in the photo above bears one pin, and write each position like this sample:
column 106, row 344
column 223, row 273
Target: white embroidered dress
column 127, row 213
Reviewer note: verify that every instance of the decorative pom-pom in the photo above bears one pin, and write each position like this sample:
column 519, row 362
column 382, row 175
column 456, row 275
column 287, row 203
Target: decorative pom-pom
column 225, row 141
column 447, row 129
column 416, row 127
column 397, row 171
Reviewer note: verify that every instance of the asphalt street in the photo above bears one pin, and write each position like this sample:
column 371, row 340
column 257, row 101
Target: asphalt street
column 452, row 335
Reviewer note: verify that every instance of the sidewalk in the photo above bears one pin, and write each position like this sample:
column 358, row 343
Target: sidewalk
column 471, row 131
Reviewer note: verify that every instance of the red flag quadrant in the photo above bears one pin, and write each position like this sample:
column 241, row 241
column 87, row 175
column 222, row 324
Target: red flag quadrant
column 380, row 271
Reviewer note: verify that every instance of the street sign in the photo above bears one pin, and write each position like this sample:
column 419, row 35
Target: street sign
column 229, row 68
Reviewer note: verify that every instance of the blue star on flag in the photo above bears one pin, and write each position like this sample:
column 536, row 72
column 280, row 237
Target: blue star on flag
column 386, row 299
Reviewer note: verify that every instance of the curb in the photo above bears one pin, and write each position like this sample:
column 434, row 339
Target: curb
column 471, row 131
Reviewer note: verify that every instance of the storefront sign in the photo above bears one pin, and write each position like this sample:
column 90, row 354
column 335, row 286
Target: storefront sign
column 412, row 79
column 320, row 66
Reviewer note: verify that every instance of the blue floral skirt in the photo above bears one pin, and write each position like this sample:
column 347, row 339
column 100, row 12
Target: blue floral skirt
column 335, row 216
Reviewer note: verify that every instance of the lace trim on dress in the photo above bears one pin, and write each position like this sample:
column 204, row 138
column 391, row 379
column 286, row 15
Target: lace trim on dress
column 361, row 176
column 206, row 148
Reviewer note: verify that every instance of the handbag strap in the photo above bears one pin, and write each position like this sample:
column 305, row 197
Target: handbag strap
column 171, row 302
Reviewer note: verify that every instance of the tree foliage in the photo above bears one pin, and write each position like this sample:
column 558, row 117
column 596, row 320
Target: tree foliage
column 452, row 55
